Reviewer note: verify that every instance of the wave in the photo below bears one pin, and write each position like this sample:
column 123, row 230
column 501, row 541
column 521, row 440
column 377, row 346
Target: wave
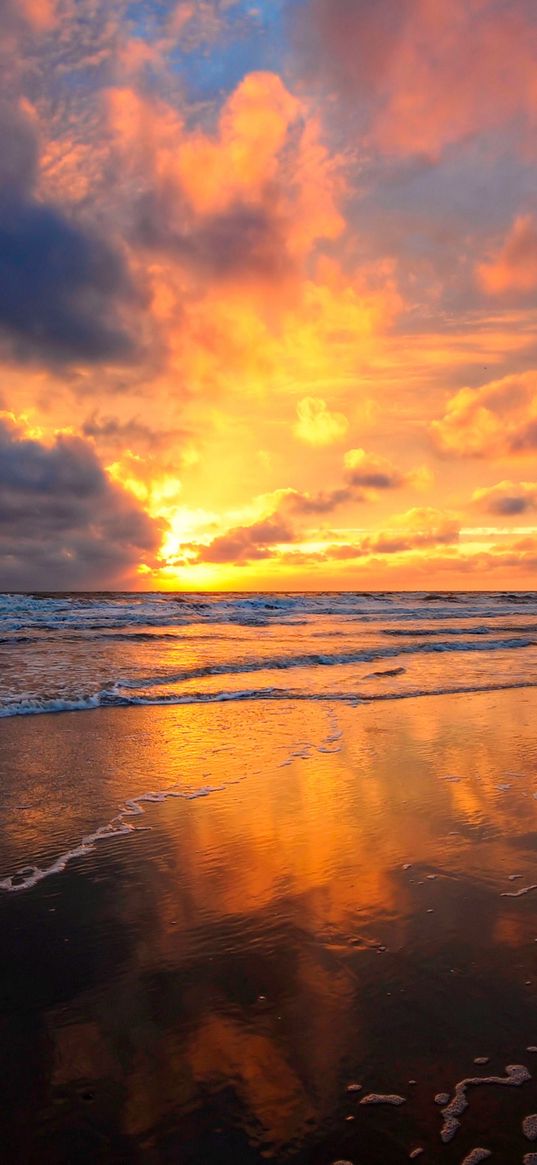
column 110, row 699
column 91, row 612
column 320, row 659
column 483, row 629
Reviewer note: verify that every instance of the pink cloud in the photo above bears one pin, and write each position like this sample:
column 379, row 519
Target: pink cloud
column 512, row 270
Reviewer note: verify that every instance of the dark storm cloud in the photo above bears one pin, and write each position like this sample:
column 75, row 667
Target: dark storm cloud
column 63, row 288
column 63, row 522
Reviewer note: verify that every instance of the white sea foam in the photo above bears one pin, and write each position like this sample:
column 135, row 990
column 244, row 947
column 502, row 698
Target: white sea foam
column 518, row 893
column 80, row 612
column 515, row 1075
column 30, row 875
column 383, row 1098
column 111, row 698
column 476, row 1156
column 529, row 1126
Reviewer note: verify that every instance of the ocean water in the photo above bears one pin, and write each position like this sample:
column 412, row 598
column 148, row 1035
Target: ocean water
column 75, row 652
column 268, row 879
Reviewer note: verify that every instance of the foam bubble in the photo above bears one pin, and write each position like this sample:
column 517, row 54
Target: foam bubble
column 529, row 1126
column 383, row 1098
column 476, row 1156
column 518, row 893
column 415, row 1153
column 481, row 1059
column 515, row 1074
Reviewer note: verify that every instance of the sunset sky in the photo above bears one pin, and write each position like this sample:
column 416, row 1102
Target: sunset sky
column 268, row 276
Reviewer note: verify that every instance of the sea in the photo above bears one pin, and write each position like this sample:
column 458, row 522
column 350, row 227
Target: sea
column 72, row 652
column 268, row 878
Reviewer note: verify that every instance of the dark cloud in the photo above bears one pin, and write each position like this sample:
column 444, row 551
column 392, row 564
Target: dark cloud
column 113, row 433
column 243, row 239
column 375, row 479
column 63, row 522
column 321, row 503
column 18, row 152
column 63, row 288
column 507, row 499
column 509, row 506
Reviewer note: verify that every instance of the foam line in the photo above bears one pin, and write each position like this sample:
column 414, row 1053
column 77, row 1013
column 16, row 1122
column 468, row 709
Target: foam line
column 110, row 699
column 518, row 893
column 515, row 1074
column 30, row 875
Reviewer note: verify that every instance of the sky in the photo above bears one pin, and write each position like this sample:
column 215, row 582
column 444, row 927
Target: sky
column 268, row 294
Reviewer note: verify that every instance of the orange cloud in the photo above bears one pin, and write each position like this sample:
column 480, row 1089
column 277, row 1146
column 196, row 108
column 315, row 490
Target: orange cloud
column 497, row 419
column 507, row 498
column 425, row 72
column 243, row 157
column 513, row 270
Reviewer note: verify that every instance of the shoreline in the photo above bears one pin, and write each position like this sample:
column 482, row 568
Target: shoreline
column 296, row 914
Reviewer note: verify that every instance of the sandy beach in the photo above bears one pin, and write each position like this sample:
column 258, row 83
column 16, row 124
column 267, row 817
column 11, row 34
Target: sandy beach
column 282, row 900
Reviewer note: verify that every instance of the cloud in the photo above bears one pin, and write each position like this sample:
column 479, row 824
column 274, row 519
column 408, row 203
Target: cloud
column 507, row 498
column 416, row 529
column 420, row 75
column 497, row 419
column 252, row 196
column 413, row 531
column 413, row 534
column 63, row 522
column 513, row 270
column 371, row 471
column 245, row 544
column 365, row 475
column 324, row 502
column 38, row 15
column 112, row 433
column 64, row 289
column 317, row 425
column 239, row 241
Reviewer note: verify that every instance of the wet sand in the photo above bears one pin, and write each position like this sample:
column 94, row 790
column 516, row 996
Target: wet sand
column 218, row 922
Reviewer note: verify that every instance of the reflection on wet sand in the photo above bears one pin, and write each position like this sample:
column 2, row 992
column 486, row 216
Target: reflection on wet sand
column 215, row 980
